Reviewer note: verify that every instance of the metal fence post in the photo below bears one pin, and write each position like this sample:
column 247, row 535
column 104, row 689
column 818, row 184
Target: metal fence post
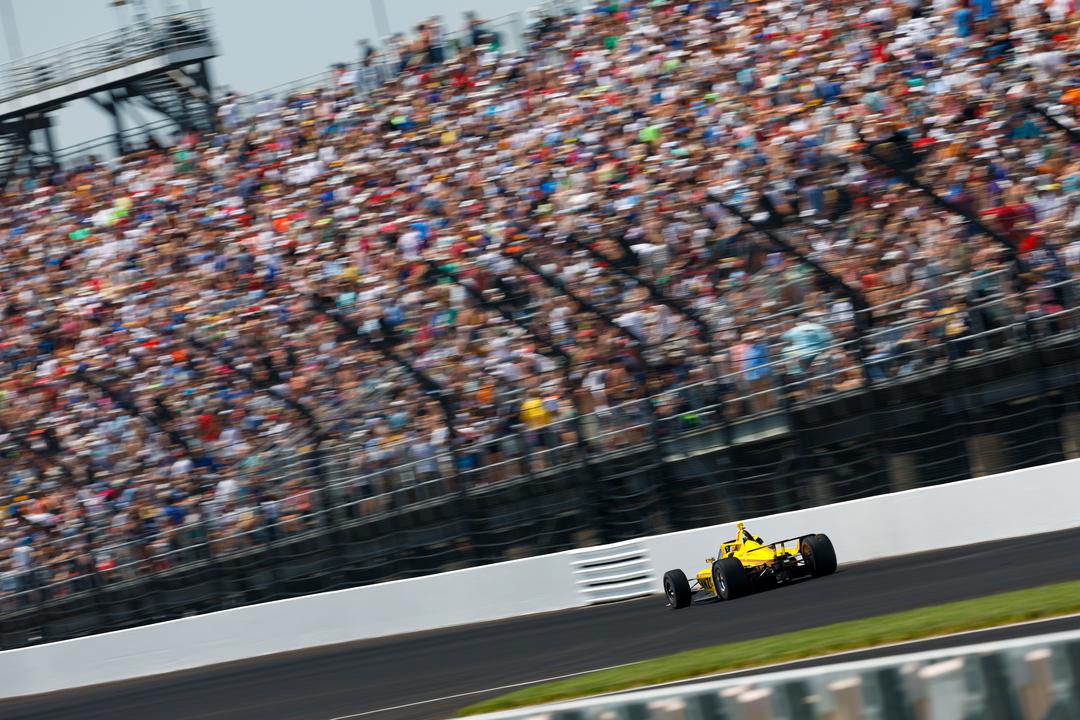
column 586, row 476
column 517, row 22
column 1033, row 344
column 729, row 475
column 787, row 404
column 462, row 496
column 961, row 399
column 669, row 495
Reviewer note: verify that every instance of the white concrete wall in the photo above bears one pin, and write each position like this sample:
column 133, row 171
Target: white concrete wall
column 1027, row 501
column 491, row 592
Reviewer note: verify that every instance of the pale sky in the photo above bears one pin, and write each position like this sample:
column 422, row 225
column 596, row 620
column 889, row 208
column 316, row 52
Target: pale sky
column 261, row 43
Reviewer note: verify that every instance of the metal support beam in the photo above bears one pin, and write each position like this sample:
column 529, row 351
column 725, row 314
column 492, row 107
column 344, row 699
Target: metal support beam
column 1012, row 251
column 204, row 90
column 317, row 433
column 111, row 105
column 426, row 383
column 548, row 345
column 654, row 292
column 50, row 145
column 1032, row 106
column 150, row 103
column 863, row 318
column 20, row 133
column 25, row 445
column 249, row 378
column 125, row 403
column 557, row 284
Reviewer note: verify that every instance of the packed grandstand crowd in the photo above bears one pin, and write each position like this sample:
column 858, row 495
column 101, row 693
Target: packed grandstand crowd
column 437, row 251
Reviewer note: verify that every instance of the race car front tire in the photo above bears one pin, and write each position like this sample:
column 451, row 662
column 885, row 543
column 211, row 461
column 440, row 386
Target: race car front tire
column 817, row 551
column 730, row 578
column 677, row 589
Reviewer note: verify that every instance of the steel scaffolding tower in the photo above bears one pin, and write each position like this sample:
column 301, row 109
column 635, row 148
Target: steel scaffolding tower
column 159, row 64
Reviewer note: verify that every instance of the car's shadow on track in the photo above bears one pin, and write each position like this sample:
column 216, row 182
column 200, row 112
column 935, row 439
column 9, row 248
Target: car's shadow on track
column 713, row 600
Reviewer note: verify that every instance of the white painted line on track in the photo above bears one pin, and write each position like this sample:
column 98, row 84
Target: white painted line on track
column 478, row 692
column 703, row 678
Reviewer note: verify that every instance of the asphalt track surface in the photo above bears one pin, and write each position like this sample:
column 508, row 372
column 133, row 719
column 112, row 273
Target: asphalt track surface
column 363, row 679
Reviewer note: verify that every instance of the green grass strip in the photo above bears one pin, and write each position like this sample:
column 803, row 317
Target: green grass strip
column 1017, row 606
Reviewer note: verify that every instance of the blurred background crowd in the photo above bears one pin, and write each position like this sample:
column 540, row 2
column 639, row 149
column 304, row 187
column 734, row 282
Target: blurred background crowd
column 450, row 244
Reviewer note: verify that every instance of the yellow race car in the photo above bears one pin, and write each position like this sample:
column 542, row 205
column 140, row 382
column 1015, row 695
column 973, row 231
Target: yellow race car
column 748, row 563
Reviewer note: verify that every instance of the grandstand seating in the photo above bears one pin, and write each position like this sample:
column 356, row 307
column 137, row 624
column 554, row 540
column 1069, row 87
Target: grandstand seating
column 339, row 326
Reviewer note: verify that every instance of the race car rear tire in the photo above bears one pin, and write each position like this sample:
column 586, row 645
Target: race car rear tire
column 730, row 579
column 819, row 554
column 677, row 589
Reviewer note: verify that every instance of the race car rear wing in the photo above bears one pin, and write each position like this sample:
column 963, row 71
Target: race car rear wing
column 745, row 535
